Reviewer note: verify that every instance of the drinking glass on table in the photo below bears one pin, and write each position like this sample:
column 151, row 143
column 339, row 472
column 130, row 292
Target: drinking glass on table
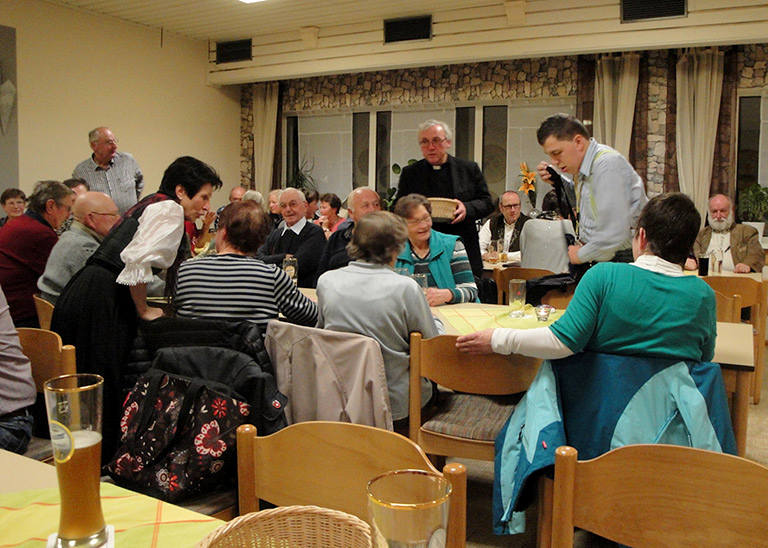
column 503, row 255
column 421, row 279
column 74, row 405
column 493, row 251
column 516, row 298
column 409, row 509
column 291, row 267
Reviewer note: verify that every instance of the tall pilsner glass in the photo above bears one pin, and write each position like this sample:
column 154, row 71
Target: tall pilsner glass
column 74, row 408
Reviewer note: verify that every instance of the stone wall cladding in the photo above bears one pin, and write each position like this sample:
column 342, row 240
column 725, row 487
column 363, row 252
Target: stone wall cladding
column 481, row 82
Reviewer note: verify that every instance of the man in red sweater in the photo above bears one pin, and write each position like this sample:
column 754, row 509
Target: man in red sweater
column 25, row 244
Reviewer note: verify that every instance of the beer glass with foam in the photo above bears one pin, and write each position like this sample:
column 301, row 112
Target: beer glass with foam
column 73, row 403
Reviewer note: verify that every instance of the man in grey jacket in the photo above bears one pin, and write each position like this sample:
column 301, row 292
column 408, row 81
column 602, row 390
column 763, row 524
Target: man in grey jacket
column 94, row 215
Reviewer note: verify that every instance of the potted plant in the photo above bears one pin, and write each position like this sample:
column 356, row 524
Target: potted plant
column 753, row 206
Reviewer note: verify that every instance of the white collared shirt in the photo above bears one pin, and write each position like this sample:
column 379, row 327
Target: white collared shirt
column 297, row 228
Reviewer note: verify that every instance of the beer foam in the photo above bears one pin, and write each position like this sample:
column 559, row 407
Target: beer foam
column 85, row 438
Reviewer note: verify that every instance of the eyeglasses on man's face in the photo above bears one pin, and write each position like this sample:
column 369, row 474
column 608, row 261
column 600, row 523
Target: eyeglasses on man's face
column 510, row 206
column 437, row 141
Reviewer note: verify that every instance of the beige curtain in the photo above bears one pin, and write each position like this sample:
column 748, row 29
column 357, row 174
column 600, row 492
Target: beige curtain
column 265, row 98
column 616, row 81
column 699, row 86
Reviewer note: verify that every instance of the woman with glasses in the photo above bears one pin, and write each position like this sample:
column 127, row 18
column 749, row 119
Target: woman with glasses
column 441, row 257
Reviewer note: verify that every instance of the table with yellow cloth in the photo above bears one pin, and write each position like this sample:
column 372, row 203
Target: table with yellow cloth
column 29, row 515
column 461, row 319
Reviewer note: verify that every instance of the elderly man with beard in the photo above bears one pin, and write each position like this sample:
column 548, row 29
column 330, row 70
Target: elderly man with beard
column 739, row 244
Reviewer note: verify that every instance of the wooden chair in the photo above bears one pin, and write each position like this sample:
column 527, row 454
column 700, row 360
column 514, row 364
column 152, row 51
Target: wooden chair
column 305, row 526
column 329, row 464
column 44, row 311
column 660, row 495
column 467, row 422
column 48, row 359
column 728, row 307
column 503, row 275
column 753, row 296
column 559, row 299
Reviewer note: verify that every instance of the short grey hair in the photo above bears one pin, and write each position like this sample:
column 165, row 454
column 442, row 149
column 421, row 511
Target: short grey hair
column 356, row 192
column 424, row 126
column 95, row 134
column 296, row 190
column 48, row 190
column 254, row 196
column 510, row 191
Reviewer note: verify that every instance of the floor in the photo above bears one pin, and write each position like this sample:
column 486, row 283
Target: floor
column 480, row 484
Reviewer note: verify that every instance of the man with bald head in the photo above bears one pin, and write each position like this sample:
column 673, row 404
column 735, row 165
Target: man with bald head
column 298, row 238
column 360, row 202
column 115, row 173
column 94, row 214
column 738, row 246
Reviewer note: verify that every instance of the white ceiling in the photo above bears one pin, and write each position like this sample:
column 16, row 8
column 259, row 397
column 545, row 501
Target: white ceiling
column 219, row 20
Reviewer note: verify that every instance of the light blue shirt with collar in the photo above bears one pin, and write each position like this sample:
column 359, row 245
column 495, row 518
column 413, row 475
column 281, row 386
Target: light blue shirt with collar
column 611, row 196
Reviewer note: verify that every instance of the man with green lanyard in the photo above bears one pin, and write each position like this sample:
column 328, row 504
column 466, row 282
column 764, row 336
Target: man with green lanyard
column 609, row 193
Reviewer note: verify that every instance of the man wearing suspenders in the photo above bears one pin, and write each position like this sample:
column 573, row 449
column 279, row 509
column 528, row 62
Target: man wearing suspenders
column 609, row 193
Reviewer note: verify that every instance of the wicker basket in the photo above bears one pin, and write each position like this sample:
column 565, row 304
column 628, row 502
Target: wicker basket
column 442, row 209
column 304, row 526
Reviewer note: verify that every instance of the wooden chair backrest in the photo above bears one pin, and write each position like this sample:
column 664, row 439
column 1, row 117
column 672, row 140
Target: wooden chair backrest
column 48, row 357
column 44, row 311
column 559, row 299
column 728, row 307
column 439, row 360
column 660, row 495
column 503, row 275
column 748, row 288
column 329, row 464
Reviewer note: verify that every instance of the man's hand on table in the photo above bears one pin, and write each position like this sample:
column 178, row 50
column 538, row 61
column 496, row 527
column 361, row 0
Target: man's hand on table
column 741, row 268
column 691, row 264
column 476, row 343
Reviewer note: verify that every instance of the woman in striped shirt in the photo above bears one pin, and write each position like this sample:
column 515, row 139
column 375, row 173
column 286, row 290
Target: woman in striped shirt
column 233, row 285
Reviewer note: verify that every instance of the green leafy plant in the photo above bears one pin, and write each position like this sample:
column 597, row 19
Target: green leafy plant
column 753, row 203
column 302, row 177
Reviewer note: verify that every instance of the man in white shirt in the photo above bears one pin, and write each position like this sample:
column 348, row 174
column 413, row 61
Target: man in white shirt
column 737, row 246
column 506, row 226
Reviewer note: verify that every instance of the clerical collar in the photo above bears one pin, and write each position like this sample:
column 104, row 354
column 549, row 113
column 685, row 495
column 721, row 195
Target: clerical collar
column 437, row 167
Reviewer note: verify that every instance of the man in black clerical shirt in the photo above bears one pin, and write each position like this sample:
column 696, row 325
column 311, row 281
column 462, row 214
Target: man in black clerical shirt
column 440, row 175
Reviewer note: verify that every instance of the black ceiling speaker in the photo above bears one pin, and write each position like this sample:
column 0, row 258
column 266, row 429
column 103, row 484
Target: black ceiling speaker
column 408, row 28
column 236, row 50
column 640, row 10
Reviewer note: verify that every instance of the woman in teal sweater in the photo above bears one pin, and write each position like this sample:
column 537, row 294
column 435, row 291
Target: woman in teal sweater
column 442, row 257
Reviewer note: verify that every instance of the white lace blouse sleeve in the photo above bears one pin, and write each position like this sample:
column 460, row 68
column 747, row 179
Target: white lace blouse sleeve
column 161, row 228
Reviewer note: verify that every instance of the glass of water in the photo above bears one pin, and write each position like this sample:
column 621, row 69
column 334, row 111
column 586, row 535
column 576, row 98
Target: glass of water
column 516, row 297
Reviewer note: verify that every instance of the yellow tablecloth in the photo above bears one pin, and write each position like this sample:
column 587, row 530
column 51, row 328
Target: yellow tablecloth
column 28, row 517
column 469, row 320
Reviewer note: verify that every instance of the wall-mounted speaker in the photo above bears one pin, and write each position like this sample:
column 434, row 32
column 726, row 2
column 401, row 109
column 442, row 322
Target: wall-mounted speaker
column 640, row 10
column 408, row 28
column 235, row 50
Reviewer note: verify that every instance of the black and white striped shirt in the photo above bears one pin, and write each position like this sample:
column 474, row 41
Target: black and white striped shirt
column 234, row 287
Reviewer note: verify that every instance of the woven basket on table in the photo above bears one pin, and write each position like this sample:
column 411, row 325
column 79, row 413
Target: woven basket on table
column 442, row 209
column 290, row 526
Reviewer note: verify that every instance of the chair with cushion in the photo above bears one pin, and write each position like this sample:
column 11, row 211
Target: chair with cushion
column 660, row 495
column 486, row 389
column 503, row 275
column 49, row 359
column 305, row 526
column 329, row 464
column 44, row 311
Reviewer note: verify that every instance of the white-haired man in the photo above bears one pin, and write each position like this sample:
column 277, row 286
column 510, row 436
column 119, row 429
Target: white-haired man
column 440, row 175
column 298, row 238
column 114, row 173
column 738, row 244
